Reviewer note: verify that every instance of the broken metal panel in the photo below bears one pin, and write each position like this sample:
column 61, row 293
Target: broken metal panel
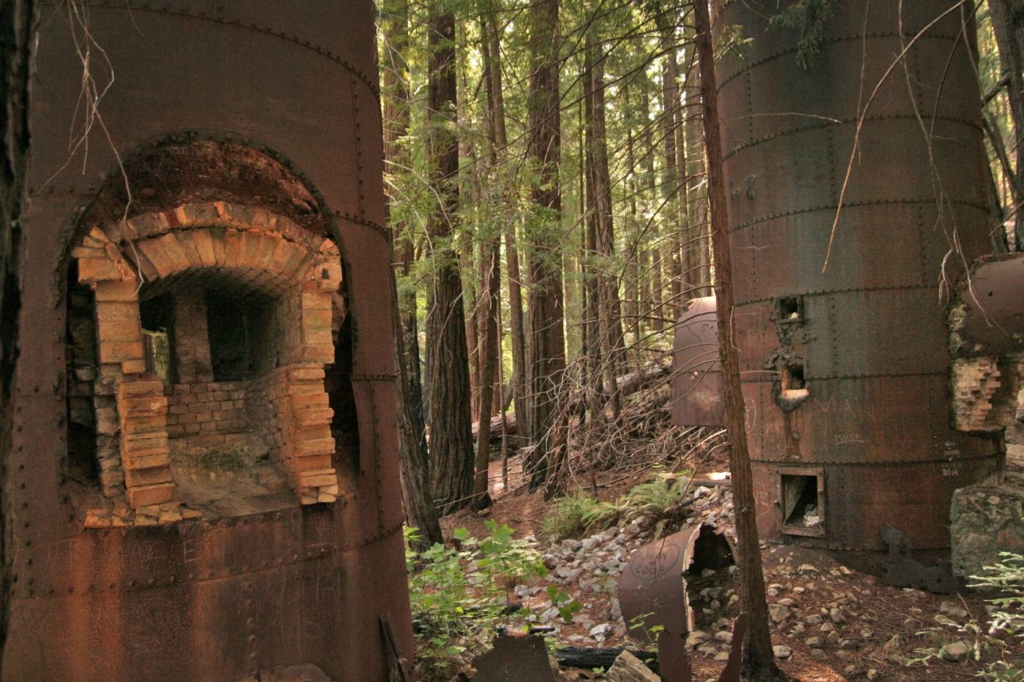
column 652, row 590
column 871, row 345
column 219, row 598
column 513, row 659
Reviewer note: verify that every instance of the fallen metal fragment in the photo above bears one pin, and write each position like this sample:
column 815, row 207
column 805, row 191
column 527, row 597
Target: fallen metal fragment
column 672, row 657
column 514, row 659
column 651, row 589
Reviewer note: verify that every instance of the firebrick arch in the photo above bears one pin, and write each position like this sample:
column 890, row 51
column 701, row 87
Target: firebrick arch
column 235, row 249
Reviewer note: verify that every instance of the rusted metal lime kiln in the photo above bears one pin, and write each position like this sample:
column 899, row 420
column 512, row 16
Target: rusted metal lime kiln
column 846, row 369
column 204, row 477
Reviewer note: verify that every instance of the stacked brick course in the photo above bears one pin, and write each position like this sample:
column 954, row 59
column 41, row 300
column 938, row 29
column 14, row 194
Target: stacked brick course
column 136, row 416
column 985, row 391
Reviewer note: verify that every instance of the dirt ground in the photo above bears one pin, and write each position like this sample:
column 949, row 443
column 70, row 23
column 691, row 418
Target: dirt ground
column 837, row 623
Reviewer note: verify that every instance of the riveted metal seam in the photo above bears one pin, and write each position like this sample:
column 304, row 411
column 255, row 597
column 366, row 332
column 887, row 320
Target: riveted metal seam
column 860, row 462
column 850, row 290
column 853, row 204
column 203, row 16
column 832, row 123
column 750, row 66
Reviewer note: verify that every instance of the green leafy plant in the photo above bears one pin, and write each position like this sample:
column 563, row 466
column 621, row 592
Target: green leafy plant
column 988, row 645
column 460, row 596
column 809, row 18
column 578, row 515
column 566, row 605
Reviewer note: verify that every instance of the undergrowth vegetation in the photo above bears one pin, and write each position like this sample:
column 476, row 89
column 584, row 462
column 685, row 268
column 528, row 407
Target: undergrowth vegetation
column 658, row 499
column 990, row 645
column 462, row 596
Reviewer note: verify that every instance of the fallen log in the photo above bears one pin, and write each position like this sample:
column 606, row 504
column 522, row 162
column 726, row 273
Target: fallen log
column 590, row 658
column 628, row 384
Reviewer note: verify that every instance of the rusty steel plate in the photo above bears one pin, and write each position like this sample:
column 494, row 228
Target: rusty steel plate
column 994, row 316
column 513, row 659
column 652, row 589
column 696, row 372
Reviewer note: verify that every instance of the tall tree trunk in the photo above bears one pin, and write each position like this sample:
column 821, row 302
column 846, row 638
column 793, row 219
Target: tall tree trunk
column 514, row 278
column 696, row 201
column 611, row 341
column 419, row 502
column 490, row 266
column 451, row 440
column 17, row 31
column 632, row 267
column 671, row 183
column 758, row 657
column 1007, row 24
column 489, row 312
column 545, row 343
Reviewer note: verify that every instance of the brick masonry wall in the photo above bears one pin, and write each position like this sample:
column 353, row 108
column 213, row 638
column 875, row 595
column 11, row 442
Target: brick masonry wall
column 202, row 414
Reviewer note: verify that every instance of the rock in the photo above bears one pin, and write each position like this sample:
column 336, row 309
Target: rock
column 818, row 655
column 980, row 529
column 953, row 610
column 600, row 630
column 872, row 674
column 813, row 642
column 696, row 638
column 778, row 612
column 723, row 636
column 799, row 629
column 722, row 656
column 813, row 619
column 837, row 615
column 786, row 601
column 629, row 668
column 956, row 651
column 616, row 609
column 807, row 569
column 782, row 651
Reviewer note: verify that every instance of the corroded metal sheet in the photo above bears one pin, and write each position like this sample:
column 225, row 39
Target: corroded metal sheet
column 513, row 659
column 696, row 373
column 651, row 589
column 865, row 338
column 993, row 321
column 217, row 598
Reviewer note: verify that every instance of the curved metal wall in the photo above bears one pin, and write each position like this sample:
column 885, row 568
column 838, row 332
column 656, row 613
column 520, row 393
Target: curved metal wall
column 869, row 334
column 233, row 598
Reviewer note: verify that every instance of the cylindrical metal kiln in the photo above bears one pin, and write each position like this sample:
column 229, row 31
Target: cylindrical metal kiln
column 204, row 476
column 846, row 369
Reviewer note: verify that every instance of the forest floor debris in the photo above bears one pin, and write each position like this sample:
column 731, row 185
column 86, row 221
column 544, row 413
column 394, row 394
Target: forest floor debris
column 829, row 622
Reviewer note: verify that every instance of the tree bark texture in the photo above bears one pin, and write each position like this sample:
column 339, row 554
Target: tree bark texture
column 545, row 343
column 412, row 445
column 17, row 30
column 451, row 443
column 758, row 657
column 1008, row 26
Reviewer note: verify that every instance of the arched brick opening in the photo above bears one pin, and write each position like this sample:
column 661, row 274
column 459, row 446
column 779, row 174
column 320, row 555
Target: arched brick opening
column 197, row 391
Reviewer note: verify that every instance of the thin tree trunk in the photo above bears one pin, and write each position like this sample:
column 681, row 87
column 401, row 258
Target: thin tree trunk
column 451, row 441
column 17, row 30
column 489, row 312
column 758, row 657
column 545, row 342
column 671, row 183
column 610, row 316
column 697, row 204
column 632, row 267
column 1011, row 58
column 419, row 503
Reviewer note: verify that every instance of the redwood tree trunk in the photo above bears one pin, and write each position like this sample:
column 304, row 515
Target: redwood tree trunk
column 758, row 657
column 17, row 29
column 1007, row 21
column 412, row 444
column 545, row 343
column 451, row 440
